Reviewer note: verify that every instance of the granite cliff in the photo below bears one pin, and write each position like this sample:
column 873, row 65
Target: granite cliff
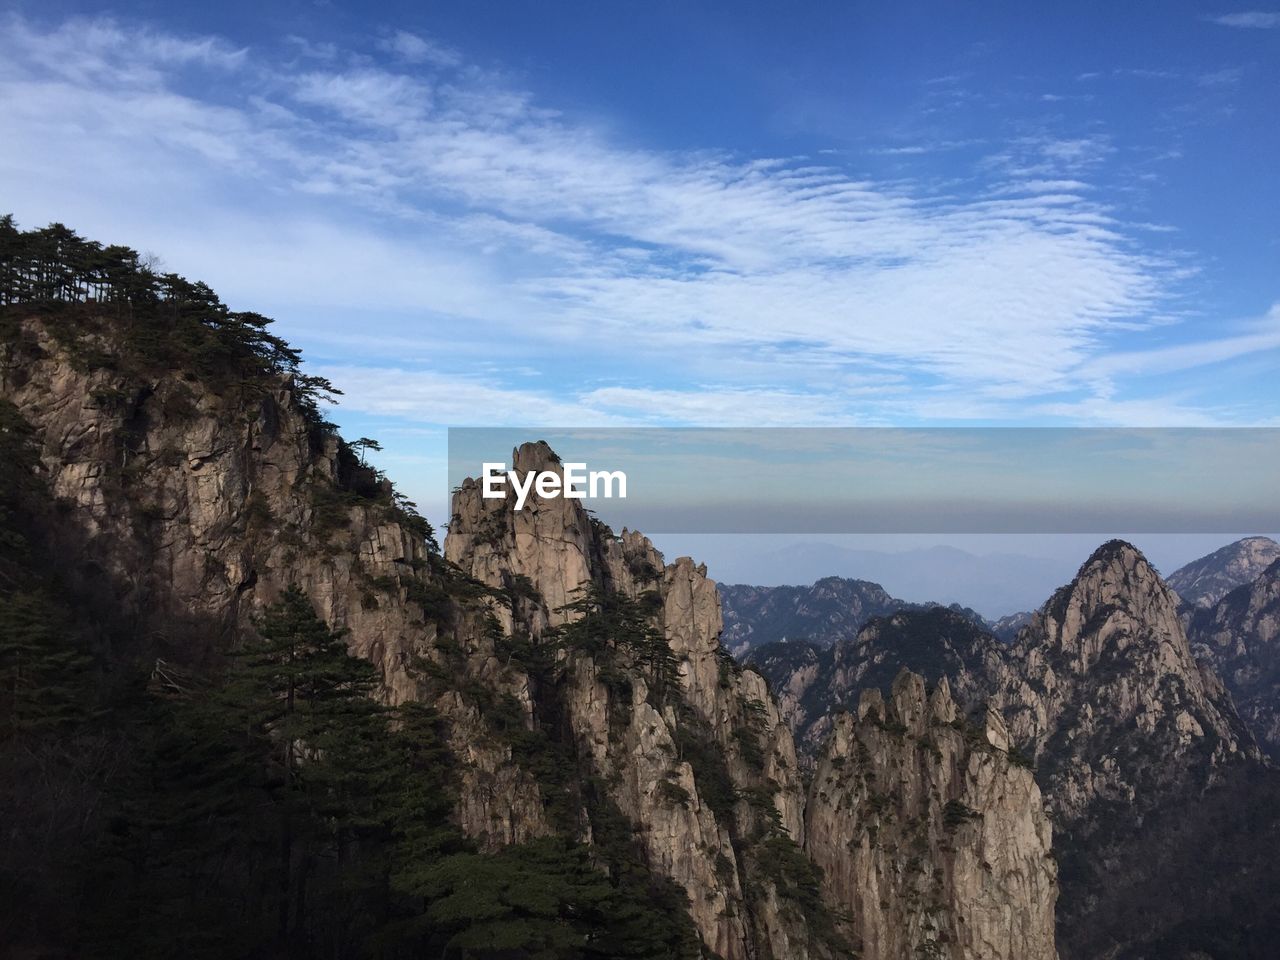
column 929, row 834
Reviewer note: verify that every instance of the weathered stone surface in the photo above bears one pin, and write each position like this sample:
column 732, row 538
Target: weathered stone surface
column 928, row 837
column 932, row 641
column 1103, row 688
column 196, row 510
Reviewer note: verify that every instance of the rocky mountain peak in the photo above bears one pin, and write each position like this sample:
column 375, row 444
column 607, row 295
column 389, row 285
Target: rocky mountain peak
column 1116, row 599
column 690, row 747
column 534, row 455
column 1102, row 688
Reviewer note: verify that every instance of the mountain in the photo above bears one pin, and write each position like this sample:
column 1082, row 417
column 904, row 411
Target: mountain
column 830, row 610
column 993, row 583
column 1239, row 638
column 1138, row 751
column 1104, row 657
column 1008, row 626
column 251, row 708
column 1204, row 582
column 811, row 682
column 668, row 724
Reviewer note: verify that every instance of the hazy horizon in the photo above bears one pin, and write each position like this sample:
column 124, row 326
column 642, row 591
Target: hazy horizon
column 761, row 560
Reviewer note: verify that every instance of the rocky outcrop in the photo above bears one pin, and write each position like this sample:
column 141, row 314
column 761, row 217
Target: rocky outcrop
column 1204, row 582
column 930, row 837
column 1239, row 639
column 1134, row 742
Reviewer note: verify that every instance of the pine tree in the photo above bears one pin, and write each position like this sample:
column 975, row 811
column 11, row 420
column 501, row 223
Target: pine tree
column 45, row 677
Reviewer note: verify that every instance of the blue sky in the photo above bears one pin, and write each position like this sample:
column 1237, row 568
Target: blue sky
column 667, row 213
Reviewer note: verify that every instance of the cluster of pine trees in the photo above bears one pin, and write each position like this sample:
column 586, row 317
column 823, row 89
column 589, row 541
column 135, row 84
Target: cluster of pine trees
column 174, row 325
column 270, row 806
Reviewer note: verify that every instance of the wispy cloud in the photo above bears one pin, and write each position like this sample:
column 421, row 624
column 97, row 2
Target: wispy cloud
column 1248, row 20
column 467, row 211
column 1226, row 77
column 412, row 48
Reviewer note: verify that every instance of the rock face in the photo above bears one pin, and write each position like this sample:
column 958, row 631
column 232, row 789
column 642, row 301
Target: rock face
column 202, row 505
column 1204, row 582
column 1239, row 638
column 193, row 509
column 572, row 711
column 705, row 772
column 812, row 682
column 929, row 836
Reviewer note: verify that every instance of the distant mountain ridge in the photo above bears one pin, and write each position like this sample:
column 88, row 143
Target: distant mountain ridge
column 994, row 584
column 1203, row 582
column 831, row 608
column 824, row 613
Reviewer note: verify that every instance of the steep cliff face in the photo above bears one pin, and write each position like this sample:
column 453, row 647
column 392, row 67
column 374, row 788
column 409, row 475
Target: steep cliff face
column 929, row 836
column 1134, row 745
column 1204, row 582
column 1239, row 638
column 193, row 504
column 199, row 504
column 962, row 865
column 697, row 758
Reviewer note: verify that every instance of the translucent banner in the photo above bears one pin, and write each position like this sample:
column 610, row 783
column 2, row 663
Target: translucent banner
column 891, row 480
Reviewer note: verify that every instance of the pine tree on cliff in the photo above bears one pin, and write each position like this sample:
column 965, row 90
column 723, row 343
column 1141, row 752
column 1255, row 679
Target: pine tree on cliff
column 45, row 681
column 308, row 701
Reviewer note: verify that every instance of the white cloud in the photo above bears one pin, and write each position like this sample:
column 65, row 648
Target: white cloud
column 413, row 48
column 1226, row 77
column 1260, row 336
column 709, row 404
column 1248, row 20
column 434, row 397
column 441, row 192
column 431, row 396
